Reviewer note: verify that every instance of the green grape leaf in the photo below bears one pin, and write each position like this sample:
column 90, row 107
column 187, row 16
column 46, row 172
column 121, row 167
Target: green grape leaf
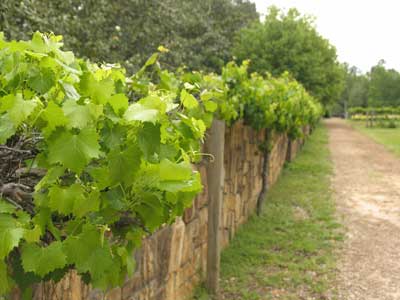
column 85, row 205
column 24, row 280
column 168, row 151
column 123, row 165
column 42, row 81
column 5, row 281
column 43, row 260
column 173, row 171
column 37, row 44
column 119, row 103
column 79, row 116
column 99, row 91
column 18, row 110
column 197, row 127
column 152, row 60
column 74, row 151
column 62, row 199
column 73, row 199
column 188, row 100
column 127, row 260
column 33, row 235
column 101, row 176
column 10, row 234
column 138, row 112
column 51, row 176
column 151, row 211
column 7, row 128
column 104, row 269
column 210, row 106
column 6, row 207
column 79, row 248
column 54, row 116
column 44, row 220
column 9, row 238
column 113, row 135
column 149, row 141
column 70, row 91
column 191, row 185
column 89, row 253
column 66, row 56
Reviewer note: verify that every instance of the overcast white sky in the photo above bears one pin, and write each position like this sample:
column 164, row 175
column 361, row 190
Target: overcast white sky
column 362, row 31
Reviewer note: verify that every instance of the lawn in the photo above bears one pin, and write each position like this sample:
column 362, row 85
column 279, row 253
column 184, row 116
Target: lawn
column 389, row 137
column 288, row 252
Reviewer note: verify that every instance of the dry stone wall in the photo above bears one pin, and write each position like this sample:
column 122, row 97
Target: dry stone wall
column 173, row 260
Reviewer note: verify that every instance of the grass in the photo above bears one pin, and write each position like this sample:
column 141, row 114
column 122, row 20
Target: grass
column 389, row 137
column 287, row 252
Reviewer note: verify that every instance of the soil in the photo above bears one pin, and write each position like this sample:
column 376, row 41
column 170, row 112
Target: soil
column 366, row 185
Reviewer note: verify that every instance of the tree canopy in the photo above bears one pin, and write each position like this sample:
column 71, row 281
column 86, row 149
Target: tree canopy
column 290, row 42
column 380, row 87
column 384, row 86
column 198, row 33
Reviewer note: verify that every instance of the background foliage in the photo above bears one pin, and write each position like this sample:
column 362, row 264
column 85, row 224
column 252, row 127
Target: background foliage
column 290, row 42
column 380, row 87
column 198, row 33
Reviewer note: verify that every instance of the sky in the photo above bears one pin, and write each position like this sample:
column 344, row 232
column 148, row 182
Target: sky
column 363, row 32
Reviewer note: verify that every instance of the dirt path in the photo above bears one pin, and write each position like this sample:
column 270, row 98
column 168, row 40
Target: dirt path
column 367, row 189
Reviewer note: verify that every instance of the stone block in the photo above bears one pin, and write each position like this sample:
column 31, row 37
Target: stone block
column 189, row 213
column 191, row 234
column 177, row 240
column 114, row 294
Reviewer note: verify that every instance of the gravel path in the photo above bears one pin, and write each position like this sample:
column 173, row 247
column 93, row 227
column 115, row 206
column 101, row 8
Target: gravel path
column 367, row 191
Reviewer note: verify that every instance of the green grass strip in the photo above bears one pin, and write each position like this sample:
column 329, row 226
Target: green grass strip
column 288, row 252
column 389, row 137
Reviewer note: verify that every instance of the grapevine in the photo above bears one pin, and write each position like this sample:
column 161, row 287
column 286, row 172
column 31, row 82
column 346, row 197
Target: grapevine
column 92, row 159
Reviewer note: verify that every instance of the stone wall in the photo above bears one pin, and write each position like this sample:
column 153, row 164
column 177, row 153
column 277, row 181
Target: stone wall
column 173, row 260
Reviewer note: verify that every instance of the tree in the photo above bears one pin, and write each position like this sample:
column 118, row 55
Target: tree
column 290, row 42
column 384, row 86
column 355, row 90
column 198, row 33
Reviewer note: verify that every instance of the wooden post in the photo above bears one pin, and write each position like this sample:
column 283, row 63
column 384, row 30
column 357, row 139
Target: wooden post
column 215, row 179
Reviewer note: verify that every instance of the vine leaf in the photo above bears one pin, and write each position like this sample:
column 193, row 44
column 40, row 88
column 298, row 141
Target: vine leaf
column 18, row 110
column 123, row 165
column 73, row 199
column 10, row 238
column 173, row 171
column 7, row 128
column 149, row 141
column 79, row 115
column 150, row 210
column 42, row 81
column 99, row 91
column 54, row 116
column 188, row 100
column 70, row 91
column 87, row 252
column 42, row 261
column 118, row 102
column 5, row 283
column 138, row 112
column 6, row 207
column 74, row 151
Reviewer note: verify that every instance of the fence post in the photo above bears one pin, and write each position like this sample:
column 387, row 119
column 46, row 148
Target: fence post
column 215, row 179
